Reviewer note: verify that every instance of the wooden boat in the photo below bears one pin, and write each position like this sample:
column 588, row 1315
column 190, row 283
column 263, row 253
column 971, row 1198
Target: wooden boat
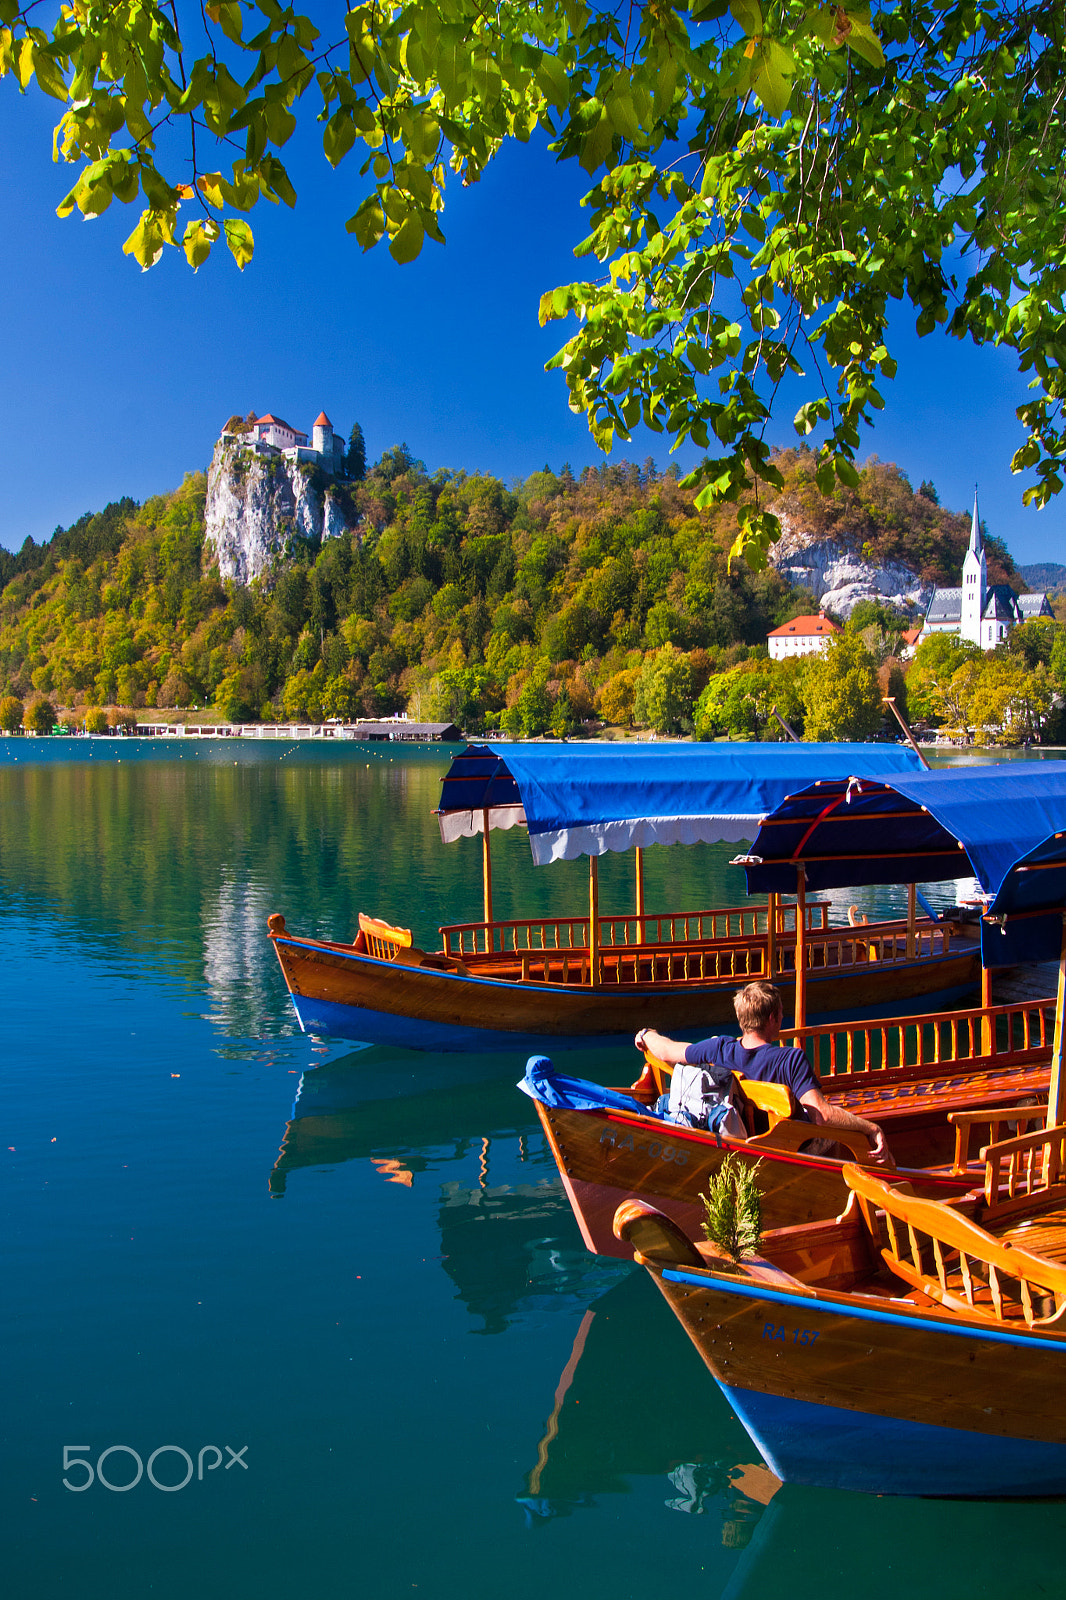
column 908, row 1346
column 934, row 1084
column 587, row 980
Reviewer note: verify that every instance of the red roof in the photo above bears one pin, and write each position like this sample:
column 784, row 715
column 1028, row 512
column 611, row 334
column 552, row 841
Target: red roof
column 804, row 627
column 278, row 422
column 322, row 421
column 909, row 635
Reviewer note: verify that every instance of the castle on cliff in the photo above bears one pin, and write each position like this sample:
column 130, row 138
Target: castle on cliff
column 979, row 611
column 271, row 436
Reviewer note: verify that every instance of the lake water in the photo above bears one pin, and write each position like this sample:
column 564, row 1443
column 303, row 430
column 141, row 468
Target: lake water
column 368, row 1320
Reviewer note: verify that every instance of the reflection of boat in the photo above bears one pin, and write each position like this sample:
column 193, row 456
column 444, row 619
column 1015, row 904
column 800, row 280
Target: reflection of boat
column 956, row 1549
column 584, row 979
column 610, row 1145
column 906, row 1347
column 678, row 1430
column 339, row 1116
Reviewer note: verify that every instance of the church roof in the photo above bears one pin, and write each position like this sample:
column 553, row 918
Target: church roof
column 945, row 606
column 976, row 541
column 1001, row 605
column 1034, row 605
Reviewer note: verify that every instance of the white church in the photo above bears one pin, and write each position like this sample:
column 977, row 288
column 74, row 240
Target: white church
column 271, row 436
column 982, row 612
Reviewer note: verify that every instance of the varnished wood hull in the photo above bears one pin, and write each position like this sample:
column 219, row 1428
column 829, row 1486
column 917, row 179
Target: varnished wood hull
column 342, row 992
column 605, row 1157
column 845, row 1391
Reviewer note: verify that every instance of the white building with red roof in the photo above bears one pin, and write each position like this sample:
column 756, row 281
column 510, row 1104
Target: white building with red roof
column 269, row 435
column 803, row 636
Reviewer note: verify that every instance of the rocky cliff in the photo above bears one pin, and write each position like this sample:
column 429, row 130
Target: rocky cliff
column 257, row 504
column 838, row 575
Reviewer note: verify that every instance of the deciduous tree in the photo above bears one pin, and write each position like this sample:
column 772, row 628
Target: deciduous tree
column 841, row 691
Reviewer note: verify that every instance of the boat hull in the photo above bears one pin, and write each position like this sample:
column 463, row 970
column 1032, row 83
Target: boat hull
column 339, row 991
column 877, row 1396
column 606, row 1157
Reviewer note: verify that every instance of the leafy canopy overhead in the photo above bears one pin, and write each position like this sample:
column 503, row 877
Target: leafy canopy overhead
column 768, row 177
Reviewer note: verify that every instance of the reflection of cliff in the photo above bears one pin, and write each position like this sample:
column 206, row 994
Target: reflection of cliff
column 239, row 963
column 634, row 1400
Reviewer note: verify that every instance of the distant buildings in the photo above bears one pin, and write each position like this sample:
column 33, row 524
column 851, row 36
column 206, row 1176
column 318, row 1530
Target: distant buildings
column 801, row 637
column 272, row 436
column 979, row 611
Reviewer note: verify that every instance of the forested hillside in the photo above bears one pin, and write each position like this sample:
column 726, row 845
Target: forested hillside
column 535, row 607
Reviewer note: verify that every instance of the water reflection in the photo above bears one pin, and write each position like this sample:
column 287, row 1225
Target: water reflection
column 828, row 1543
column 634, row 1400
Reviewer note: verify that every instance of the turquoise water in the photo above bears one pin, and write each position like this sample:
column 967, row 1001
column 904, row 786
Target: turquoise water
column 378, row 1295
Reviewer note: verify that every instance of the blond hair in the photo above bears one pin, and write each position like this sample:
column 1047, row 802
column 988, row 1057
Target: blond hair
column 755, row 1005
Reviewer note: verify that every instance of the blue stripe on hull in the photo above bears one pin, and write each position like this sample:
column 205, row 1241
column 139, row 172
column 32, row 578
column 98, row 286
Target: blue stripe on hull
column 831, row 1448
column 412, row 1033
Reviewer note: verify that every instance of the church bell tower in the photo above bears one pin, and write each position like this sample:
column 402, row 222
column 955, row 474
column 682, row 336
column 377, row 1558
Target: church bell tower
column 974, row 582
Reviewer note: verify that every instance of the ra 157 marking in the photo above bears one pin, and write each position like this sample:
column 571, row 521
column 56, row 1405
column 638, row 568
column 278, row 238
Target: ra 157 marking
column 771, row 1330
column 653, row 1148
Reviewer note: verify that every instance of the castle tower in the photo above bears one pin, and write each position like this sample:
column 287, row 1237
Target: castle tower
column 322, row 435
column 974, row 582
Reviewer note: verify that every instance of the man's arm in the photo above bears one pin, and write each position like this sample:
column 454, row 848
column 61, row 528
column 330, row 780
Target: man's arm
column 657, row 1044
column 831, row 1116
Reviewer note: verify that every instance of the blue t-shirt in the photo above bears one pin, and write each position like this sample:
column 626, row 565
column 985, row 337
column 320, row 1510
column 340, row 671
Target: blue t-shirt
column 767, row 1063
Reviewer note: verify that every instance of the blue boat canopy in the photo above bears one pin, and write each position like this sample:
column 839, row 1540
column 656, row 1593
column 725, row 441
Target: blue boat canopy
column 587, row 799
column 1005, row 825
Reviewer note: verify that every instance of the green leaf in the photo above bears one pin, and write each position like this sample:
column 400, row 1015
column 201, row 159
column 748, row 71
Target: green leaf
column 240, row 241
column 866, row 44
column 747, row 14
column 847, row 472
column 406, row 244
column 145, row 243
column 338, row 136
column 197, row 242
column 368, row 224
column 772, row 70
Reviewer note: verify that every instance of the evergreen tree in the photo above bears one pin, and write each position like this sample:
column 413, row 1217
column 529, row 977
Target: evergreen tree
column 355, row 460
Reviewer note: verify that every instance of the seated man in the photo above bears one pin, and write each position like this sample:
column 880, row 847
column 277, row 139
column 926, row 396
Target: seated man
column 756, row 1055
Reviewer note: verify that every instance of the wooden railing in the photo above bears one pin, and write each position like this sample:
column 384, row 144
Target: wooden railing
column 995, row 1119
column 850, row 947
column 652, row 928
column 953, row 1261
column 942, row 1039
column 1020, row 1171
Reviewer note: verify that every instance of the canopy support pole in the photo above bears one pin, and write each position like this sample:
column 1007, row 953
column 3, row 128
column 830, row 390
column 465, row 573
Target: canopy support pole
column 986, row 1001
column 912, row 917
column 801, row 947
column 639, row 852
column 771, row 937
column 1056, row 1100
column 486, row 875
column 594, row 921
column 890, row 701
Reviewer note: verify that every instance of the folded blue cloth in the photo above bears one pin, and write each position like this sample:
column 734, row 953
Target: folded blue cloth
column 557, row 1089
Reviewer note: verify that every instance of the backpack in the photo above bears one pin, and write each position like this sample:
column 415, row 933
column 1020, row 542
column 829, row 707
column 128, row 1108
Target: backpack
column 702, row 1097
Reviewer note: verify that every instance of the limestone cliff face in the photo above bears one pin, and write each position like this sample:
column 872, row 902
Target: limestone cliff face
column 839, row 576
column 256, row 504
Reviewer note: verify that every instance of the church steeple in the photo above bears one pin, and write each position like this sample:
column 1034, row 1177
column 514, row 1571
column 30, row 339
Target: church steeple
column 974, row 581
column 977, row 545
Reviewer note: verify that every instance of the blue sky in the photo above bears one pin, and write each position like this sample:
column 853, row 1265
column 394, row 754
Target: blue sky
column 117, row 381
